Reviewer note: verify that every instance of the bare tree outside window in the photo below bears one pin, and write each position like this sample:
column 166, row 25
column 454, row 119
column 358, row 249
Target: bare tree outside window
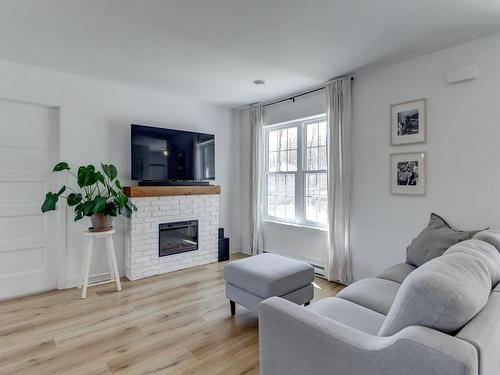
column 296, row 171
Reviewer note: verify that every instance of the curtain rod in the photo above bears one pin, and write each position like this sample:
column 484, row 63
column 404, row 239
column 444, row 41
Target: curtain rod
column 292, row 98
column 294, row 95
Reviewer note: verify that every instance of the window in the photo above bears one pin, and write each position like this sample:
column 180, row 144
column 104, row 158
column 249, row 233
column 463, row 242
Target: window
column 296, row 171
column 206, row 152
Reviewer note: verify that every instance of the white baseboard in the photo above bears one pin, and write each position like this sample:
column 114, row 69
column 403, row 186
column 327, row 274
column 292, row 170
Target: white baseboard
column 247, row 252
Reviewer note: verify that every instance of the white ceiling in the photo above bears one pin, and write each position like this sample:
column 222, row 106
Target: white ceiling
column 212, row 50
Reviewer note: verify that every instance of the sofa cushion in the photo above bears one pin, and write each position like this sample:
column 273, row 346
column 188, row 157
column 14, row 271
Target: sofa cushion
column 374, row 294
column 443, row 294
column 268, row 275
column 483, row 331
column 497, row 288
column 397, row 273
column 484, row 251
column 349, row 314
column 492, row 236
column 434, row 240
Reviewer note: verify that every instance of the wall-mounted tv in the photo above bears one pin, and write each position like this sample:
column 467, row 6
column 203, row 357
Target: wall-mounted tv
column 160, row 155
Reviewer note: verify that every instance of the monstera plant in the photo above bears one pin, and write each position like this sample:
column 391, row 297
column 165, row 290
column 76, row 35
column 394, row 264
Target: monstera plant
column 99, row 195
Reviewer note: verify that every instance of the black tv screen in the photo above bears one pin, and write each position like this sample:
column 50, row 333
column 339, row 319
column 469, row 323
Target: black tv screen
column 160, row 154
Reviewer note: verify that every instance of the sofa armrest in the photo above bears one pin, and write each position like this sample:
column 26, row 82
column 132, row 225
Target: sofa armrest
column 296, row 340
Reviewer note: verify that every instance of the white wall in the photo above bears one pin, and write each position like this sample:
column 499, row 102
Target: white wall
column 308, row 244
column 95, row 122
column 463, row 151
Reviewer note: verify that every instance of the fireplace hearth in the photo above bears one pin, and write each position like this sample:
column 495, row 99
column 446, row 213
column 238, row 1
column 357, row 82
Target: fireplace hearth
column 178, row 237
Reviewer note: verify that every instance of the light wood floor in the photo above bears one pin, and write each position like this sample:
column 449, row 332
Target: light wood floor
column 178, row 323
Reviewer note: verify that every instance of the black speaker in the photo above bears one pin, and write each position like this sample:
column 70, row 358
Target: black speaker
column 223, row 249
column 221, row 233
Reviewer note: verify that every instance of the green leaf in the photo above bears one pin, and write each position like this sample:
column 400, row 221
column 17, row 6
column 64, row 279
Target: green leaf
column 111, row 209
column 62, row 190
column 88, row 208
column 50, row 202
column 113, row 171
column 110, row 171
column 62, row 166
column 79, row 211
column 129, row 208
column 121, row 200
column 100, row 178
column 73, row 199
column 78, row 215
column 105, row 169
column 118, row 185
column 82, row 173
column 86, row 176
column 99, row 204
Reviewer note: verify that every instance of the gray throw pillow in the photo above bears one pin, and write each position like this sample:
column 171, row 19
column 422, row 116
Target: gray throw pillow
column 434, row 240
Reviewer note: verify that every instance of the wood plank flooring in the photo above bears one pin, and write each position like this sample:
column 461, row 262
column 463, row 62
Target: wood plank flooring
column 178, row 323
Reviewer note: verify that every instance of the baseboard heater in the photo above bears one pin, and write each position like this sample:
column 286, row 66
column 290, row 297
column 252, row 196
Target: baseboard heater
column 318, row 270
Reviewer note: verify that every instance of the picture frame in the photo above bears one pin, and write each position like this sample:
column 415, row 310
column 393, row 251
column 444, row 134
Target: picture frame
column 408, row 173
column 408, row 122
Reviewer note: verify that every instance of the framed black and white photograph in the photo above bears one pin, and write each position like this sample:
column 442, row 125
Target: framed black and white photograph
column 408, row 173
column 409, row 122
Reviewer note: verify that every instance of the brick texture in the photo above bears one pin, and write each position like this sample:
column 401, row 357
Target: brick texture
column 142, row 234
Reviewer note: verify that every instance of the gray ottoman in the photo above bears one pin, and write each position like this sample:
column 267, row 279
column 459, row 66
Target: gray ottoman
column 254, row 279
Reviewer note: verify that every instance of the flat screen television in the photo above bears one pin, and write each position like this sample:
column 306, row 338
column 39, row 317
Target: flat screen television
column 162, row 155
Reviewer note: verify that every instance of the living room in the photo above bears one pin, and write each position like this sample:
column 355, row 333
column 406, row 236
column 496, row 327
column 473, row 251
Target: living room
column 334, row 148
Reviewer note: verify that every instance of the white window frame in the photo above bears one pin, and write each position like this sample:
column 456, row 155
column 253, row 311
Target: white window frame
column 300, row 173
column 202, row 161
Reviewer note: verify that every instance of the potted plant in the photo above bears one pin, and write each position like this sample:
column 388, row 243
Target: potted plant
column 100, row 195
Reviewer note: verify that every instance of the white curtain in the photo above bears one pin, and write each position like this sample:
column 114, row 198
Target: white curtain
column 338, row 95
column 257, row 171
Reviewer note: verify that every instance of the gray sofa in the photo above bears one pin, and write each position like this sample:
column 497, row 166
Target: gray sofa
column 441, row 318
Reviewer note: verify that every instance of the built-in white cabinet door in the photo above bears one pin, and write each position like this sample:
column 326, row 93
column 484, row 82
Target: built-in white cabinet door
column 28, row 239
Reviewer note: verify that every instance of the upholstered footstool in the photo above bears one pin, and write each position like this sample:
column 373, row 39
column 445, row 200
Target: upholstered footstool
column 254, row 279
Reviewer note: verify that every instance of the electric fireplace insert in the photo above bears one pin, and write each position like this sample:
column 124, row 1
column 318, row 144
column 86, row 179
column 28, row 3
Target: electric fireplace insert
column 178, row 237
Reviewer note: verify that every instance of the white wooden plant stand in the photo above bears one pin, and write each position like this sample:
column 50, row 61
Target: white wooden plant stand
column 87, row 257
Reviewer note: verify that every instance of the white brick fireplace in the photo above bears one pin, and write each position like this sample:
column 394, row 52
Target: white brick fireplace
column 142, row 234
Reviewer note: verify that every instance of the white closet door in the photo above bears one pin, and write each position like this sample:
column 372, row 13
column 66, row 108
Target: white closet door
column 28, row 239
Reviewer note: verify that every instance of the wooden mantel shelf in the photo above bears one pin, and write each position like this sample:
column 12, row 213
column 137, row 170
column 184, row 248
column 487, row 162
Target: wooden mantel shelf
column 162, row 191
